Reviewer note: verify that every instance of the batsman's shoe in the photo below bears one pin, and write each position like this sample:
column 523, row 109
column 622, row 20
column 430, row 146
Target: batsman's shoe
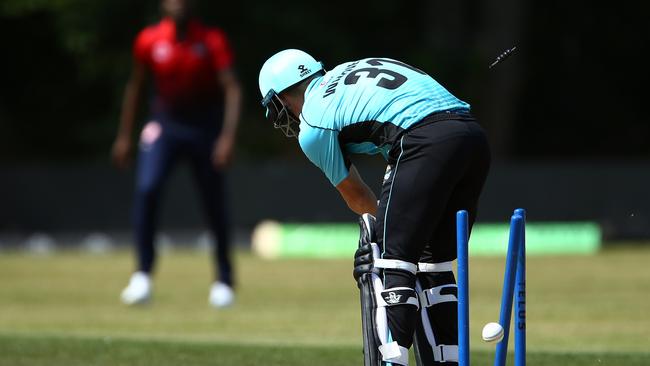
column 138, row 290
column 221, row 295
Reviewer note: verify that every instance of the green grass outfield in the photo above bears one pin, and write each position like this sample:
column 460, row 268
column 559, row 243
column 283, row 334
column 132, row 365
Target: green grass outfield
column 63, row 309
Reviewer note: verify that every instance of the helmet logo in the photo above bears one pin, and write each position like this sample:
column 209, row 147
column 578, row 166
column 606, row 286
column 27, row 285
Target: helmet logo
column 303, row 70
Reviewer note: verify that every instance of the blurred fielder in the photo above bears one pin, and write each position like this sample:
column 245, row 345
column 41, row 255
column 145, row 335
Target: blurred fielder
column 438, row 159
column 194, row 114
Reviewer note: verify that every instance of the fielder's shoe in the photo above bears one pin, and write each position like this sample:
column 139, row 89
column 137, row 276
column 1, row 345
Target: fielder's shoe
column 138, row 290
column 221, row 295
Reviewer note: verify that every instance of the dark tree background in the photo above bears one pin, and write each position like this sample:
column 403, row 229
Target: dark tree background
column 576, row 88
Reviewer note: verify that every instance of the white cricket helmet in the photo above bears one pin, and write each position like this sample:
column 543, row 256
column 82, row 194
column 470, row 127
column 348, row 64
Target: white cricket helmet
column 279, row 73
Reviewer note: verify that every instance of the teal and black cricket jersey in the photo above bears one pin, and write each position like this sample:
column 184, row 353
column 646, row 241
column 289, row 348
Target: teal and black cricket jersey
column 361, row 107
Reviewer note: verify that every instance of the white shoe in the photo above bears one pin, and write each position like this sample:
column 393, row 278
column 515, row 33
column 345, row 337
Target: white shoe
column 221, row 295
column 138, row 290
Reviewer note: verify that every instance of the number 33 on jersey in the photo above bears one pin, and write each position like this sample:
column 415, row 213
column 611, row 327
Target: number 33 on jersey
column 360, row 107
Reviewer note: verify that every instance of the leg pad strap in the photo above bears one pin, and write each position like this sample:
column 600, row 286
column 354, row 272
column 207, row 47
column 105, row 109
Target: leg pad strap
column 394, row 264
column 435, row 267
column 445, row 353
column 439, row 294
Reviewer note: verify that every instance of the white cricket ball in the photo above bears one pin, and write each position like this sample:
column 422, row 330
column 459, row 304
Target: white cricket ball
column 492, row 332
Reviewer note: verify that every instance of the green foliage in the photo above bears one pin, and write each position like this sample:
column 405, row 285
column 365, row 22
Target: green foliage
column 65, row 63
column 69, row 60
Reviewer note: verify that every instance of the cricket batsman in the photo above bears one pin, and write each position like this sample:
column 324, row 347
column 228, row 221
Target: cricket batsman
column 438, row 159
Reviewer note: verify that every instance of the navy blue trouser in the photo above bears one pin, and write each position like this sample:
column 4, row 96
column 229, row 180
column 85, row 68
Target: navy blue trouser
column 162, row 143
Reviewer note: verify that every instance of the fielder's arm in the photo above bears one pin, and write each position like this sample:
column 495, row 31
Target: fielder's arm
column 224, row 146
column 356, row 193
column 133, row 93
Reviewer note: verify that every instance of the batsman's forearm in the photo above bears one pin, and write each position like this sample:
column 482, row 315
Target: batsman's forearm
column 356, row 193
column 365, row 202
